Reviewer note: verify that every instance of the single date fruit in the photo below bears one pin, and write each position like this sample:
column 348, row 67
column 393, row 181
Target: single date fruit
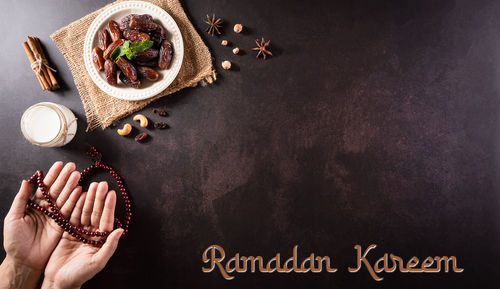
column 125, row 22
column 146, row 55
column 148, row 73
column 166, row 52
column 128, row 82
column 134, row 35
column 150, row 63
column 111, row 72
column 158, row 35
column 140, row 137
column 104, row 39
column 139, row 23
column 98, row 59
column 112, row 47
column 127, row 68
column 114, row 30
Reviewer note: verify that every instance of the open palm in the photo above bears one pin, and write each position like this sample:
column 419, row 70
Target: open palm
column 72, row 263
column 30, row 236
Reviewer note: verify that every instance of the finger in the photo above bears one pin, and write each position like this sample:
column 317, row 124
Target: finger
column 89, row 204
column 51, row 176
column 61, row 180
column 100, row 197
column 77, row 211
column 70, row 203
column 70, row 185
column 18, row 206
column 108, row 214
column 104, row 254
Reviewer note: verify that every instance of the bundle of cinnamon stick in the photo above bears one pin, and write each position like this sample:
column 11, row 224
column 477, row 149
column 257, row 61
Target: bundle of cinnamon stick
column 39, row 64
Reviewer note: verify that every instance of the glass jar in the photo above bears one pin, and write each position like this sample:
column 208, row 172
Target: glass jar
column 48, row 124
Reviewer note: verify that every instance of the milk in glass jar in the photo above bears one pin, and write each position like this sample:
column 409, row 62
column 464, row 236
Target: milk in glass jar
column 48, row 124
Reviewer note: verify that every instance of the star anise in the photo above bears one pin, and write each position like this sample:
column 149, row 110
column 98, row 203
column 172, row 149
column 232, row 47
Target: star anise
column 262, row 47
column 213, row 24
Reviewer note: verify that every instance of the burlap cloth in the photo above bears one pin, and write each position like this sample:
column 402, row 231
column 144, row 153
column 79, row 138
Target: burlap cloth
column 103, row 110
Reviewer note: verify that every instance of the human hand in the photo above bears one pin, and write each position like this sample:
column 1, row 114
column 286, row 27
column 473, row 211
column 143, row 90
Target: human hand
column 73, row 263
column 30, row 236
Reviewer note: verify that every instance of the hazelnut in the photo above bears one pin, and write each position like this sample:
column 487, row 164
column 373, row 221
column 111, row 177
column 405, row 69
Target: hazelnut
column 226, row 64
column 236, row 50
column 224, row 43
column 238, row 28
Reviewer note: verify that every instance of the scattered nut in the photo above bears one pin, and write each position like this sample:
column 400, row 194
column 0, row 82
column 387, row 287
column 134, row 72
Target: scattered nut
column 238, row 28
column 224, row 43
column 226, row 64
column 236, row 50
column 140, row 137
column 143, row 121
column 127, row 128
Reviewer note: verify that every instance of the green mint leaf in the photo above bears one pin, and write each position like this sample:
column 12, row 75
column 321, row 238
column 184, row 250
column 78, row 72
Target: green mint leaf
column 129, row 53
column 140, row 46
column 116, row 53
column 129, row 49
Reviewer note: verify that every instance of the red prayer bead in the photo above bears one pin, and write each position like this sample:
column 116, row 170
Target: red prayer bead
column 58, row 217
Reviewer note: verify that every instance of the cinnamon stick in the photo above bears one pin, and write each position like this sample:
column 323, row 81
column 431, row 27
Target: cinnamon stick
column 43, row 69
column 53, row 80
column 31, row 58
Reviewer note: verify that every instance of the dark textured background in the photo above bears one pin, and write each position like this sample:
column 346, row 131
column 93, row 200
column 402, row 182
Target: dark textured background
column 376, row 122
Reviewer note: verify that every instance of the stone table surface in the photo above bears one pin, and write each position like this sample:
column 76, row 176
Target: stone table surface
column 375, row 122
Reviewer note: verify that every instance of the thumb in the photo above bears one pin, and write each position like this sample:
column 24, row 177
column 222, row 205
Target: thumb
column 19, row 205
column 108, row 249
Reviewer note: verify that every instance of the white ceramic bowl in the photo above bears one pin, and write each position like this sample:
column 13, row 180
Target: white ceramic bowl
column 117, row 12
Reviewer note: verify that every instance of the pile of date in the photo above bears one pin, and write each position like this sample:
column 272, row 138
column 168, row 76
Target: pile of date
column 133, row 28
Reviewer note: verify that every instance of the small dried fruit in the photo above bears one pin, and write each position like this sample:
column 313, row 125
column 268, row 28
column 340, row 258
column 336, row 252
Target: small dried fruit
column 236, row 50
column 161, row 125
column 98, row 59
column 146, row 55
column 140, row 137
column 141, row 24
column 127, row 128
column 148, row 73
column 127, row 68
column 224, row 43
column 158, row 35
column 111, row 72
column 238, row 28
column 112, row 47
column 166, row 52
column 128, row 82
column 160, row 111
column 114, row 30
column 134, row 35
column 150, row 63
column 104, row 39
column 143, row 120
column 125, row 22
column 226, row 64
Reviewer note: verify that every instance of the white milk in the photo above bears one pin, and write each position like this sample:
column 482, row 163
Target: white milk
column 48, row 124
